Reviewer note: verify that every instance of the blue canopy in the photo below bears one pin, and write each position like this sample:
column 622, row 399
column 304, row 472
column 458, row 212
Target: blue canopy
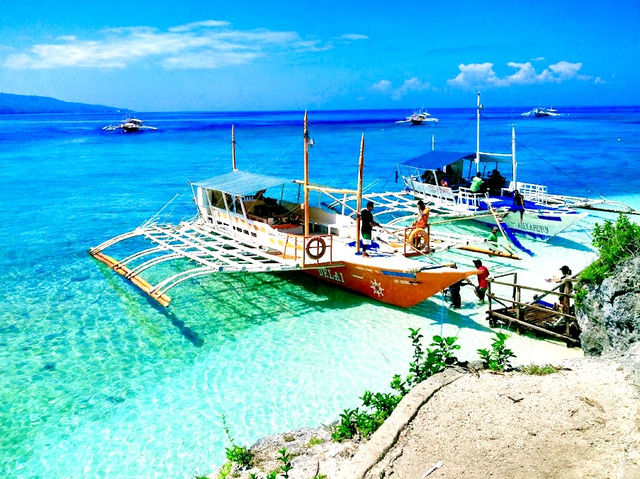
column 241, row 183
column 437, row 159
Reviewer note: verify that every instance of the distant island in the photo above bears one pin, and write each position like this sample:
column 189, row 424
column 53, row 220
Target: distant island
column 10, row 103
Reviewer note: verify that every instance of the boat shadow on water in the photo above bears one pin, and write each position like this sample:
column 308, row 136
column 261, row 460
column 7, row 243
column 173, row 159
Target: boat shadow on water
column 564, row 242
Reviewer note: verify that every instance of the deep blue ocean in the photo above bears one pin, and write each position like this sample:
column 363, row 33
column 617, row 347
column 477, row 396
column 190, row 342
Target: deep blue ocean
column 97, row 381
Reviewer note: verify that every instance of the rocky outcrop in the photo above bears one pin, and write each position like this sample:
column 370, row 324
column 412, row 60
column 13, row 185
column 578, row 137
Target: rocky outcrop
column 610, row 316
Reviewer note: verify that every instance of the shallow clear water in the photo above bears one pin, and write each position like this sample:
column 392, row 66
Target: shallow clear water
column 98, row 381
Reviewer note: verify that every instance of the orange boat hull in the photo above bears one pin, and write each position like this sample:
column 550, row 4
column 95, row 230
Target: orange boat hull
column 399, row 288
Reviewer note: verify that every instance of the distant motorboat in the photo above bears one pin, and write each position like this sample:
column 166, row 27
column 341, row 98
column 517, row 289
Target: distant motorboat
column 130, row 125
column 419, row 118
column 540, row 112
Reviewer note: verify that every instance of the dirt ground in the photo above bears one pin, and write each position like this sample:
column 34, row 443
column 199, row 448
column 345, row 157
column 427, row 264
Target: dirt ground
column 581, row 422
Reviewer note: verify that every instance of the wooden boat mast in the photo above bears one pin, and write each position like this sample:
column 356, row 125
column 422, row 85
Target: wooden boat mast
column 359, row 193
column 478, row 134
column 514, row 163
column 306, row 173
column 233, row 147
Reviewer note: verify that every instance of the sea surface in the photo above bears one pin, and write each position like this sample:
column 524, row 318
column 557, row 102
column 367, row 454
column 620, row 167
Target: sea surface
column 97, row 381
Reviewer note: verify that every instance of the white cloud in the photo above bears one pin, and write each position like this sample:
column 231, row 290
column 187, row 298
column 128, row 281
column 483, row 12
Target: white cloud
column 352, row 37
column 382, row 86
column 412, row 84
column 204, row 44
column 475, row 75
column 201, row 24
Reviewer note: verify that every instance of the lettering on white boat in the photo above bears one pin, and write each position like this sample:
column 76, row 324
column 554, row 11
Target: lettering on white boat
column 332, row 275
column 533, row 228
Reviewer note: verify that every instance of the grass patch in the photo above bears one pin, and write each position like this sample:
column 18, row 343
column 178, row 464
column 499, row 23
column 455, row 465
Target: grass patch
column 536, row 370
column 314, row 441
column 225, row 470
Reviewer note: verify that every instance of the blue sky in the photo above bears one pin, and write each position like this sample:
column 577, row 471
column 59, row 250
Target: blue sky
column 267, row 55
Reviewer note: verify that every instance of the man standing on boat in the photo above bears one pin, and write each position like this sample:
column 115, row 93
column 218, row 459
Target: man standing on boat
column 367, row 224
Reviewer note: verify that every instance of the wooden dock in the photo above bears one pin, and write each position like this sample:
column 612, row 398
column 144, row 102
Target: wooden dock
column 555, row 319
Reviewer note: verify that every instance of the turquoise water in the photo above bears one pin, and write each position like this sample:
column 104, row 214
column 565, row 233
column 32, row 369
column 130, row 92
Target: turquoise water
column 98, row 381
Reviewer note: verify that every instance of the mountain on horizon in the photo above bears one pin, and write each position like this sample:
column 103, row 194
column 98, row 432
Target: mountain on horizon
column 10, row 103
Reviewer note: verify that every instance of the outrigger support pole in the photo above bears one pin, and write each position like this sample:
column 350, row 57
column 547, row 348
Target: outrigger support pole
column 359, row 194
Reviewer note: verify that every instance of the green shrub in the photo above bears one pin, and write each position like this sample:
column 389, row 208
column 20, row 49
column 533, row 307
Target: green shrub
column 615, row 243
column 535, row 370
column 428, row 362
column 225, row 470
column 498, row 358
column 377, row 407
column 238, row 454
column 285, row 459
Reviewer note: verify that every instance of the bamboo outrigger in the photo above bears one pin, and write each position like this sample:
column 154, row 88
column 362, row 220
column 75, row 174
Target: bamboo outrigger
column 241, row 228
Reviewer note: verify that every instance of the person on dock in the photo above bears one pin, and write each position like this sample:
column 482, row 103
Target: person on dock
column 483, row 274
column 476, row 183
column 566, row 288
column 518, row 203
column 366, row 227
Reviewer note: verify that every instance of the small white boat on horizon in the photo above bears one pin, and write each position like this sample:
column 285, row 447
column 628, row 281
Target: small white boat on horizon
column 130, row 125
column 419, row 118
column 540, row 112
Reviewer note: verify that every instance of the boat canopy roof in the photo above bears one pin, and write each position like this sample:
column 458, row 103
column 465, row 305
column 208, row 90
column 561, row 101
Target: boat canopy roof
column 437, row 159
column 241, row 183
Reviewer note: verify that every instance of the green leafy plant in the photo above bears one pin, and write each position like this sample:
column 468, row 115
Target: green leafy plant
column 535, row 370
column 377, row 407
column 273, row 474
column 614, row 242
column 499, row 357
column 285, row 459
column 346, row 428
column 314, row 441
column 428, row 362
column 225, row 470
column 238, row 454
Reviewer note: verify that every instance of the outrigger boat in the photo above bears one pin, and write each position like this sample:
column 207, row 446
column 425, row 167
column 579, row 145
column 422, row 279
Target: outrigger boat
column 540, row 112
column 242, row 226
column 130, row 125
column 423, row 176
column 419, row 118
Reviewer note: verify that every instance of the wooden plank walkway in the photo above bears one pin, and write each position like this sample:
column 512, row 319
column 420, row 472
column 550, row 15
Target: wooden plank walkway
column 555, row 320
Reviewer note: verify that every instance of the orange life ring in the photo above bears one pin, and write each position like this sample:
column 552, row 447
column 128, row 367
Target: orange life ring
column 422, row 238
column 316, row 247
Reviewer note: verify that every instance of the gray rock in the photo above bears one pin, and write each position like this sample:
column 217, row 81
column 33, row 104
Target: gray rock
column 610, row 316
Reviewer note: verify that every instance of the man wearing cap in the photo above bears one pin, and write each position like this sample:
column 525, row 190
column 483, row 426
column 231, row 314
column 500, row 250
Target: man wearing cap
column 483, row 274
column 493, row 236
